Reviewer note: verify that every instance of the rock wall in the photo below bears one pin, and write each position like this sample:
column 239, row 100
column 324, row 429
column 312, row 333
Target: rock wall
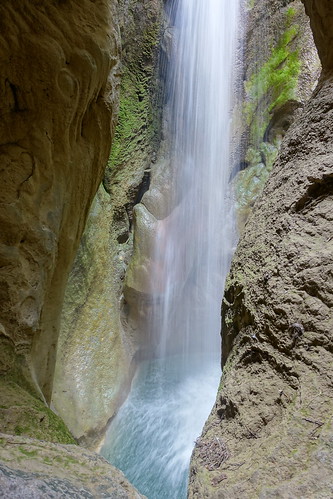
column 59, row 75
column 96, row 348
column 32, row 469
column 58, row 97
column 321, row 14
column 278, row 67
column 270, row 433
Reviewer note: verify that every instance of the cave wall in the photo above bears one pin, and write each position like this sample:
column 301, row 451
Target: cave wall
column 59, row 78
column 96, row 347
column 270, row 432
column 276, row 70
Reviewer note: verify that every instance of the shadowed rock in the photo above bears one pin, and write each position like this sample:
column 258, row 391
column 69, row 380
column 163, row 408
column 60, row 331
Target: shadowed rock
column 58, row 81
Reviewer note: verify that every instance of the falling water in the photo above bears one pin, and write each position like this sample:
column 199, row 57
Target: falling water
column 153, row 435
column 194, row 240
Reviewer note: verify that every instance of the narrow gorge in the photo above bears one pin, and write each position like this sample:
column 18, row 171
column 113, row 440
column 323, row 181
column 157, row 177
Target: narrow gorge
column 166, row 164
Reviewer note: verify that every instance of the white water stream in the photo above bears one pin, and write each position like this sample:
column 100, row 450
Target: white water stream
column 152, row 437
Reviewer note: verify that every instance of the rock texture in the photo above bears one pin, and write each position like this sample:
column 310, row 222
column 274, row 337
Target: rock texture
column 58, row 100
column 31, row 469
column 270, row 433
column 94, row 356
column 277, row 69
column 321, row 18
column 96, row 348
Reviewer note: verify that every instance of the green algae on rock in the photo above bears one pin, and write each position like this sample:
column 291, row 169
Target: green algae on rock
column 31, row 468
column 281, row 67
column 275, row 81
column 96, row 347
column 23, row 413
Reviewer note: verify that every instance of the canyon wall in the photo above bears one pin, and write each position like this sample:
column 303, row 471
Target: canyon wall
column 96, row 346
column 59, row 78
column 270, row 433
column 277, row 67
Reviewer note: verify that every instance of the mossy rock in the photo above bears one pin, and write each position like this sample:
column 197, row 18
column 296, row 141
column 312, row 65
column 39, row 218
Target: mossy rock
column 32, row 468
column 281, row 69
column 21, row 413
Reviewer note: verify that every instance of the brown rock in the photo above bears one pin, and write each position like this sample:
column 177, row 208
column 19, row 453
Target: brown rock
column 58, row 80
column 321, row 18
column 274, row 408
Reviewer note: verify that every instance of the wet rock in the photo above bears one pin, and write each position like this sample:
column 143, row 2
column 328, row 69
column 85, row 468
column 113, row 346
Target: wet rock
column 58, row 97
column 97, row 345
column 31, row 469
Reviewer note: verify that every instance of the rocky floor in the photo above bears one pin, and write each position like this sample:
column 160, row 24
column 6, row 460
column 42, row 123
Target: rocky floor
column 33, row 469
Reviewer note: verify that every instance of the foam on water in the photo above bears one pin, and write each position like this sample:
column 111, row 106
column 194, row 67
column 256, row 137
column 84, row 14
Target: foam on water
column 154, row 432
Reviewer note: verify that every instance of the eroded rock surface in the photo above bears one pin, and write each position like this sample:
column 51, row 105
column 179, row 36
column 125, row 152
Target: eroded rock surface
column 57, row 90
column 270, row 433
column 59, row 80
column 31, row 469
column 96, row 348
column 58, row 97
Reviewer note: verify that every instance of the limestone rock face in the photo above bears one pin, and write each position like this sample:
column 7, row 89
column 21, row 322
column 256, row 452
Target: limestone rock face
column 277, row 68
column 96, row 347
column 31, row 469
column 59, row 77
column 94, row 356
column 321, row 18
column 58, row 98
column 270, row 433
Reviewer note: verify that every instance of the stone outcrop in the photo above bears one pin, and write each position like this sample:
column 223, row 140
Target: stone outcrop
column 270, row 433
column 59, row 79
column 277, row 69
column 96, row 347
column 59, row 99
column 58, row 86
column 76, row 472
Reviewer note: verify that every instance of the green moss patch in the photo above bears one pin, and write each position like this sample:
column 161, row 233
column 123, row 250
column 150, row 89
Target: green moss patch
column 137, row 128
column 268, row 89
column 275, row 82
column 23, row 414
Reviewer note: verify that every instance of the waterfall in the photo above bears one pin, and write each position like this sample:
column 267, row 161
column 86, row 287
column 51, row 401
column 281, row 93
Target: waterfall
column 193, row 243
column 153, row 435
